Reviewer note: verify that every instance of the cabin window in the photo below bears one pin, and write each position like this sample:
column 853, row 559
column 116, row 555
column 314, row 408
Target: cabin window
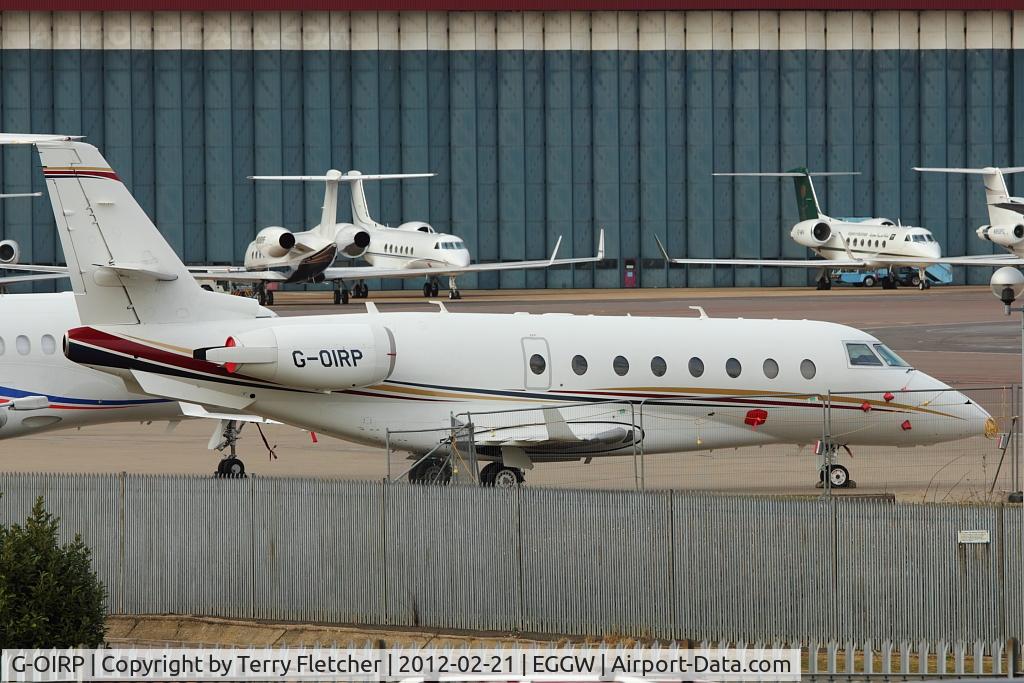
column 620, row 365
column 537, row 364
column 579, row 364
column 807, row 368
column 23, row 345
column 860, row 355
column 733, row 368
column 48, row 344
column 696, row 366
column 658, row 366
column 771, row 368
column 890, row 358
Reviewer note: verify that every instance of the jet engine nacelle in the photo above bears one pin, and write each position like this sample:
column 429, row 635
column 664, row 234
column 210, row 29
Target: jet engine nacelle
column 1003, row 235
column 352, row 241
column 275, row 242
column 812, row 233
column 320, row 357
column 9, row 251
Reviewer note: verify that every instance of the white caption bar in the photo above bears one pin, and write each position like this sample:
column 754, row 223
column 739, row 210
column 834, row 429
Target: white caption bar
column 309, row 664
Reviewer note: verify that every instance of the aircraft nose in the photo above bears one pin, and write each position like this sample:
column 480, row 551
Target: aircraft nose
column 461, row 258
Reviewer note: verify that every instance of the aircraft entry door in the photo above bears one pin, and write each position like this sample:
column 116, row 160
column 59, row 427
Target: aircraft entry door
column 536, row 363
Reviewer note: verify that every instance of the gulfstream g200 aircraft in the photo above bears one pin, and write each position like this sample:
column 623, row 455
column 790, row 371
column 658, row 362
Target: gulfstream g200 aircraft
column 413, row 249
column 864, row 243
column 147, row 321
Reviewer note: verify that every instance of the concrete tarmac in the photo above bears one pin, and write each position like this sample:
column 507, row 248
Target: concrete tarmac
column 958, row 334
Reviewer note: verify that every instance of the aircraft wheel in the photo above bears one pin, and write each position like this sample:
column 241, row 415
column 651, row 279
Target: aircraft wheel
column 365, row 290
column 454, row 294
column 838, row 476
column 927, row 284
column 507, row 477
column 488, row 472
column 431, row 472
column 434, row 289
column 344, row 296
column 337, row 297
column 261, row 297
column 270, row 298
column 869, row 281
column 824, row 284
column 426, row 289
column 231, row 468
column 916, row 281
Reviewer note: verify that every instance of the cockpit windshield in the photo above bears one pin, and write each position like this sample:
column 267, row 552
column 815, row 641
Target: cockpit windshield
column 454, row 244
column 919, row 237
column 861, row 355
column 890, row 357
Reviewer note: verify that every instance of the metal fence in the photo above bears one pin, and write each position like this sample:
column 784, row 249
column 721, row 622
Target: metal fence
column 980, row 468
column 649, row 564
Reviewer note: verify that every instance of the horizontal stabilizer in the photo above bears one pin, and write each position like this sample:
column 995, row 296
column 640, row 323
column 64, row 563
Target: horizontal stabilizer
column 30, row 139
column 133, row 271
column 786, row 174
column 344, row 177
column 21, row 194
column 977, row 171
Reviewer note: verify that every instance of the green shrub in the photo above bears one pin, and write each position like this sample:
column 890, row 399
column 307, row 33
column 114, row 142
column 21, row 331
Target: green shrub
column 49, row 594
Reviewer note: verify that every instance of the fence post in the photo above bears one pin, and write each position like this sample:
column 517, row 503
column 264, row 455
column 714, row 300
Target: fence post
column 121, row 540
column 387, row 449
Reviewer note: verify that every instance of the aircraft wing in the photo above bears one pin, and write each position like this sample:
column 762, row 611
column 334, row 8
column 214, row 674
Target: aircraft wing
column 29, row 267
column 980, row 260
column 15, row 279
column 779, row 263
column 235, row 274
column 355, row 272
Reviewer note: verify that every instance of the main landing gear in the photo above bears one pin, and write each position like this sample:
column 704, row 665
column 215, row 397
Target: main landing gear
column 431, row 287
column 341, row 293
column 838, row 477
column 360, row 291
column 230, row 465
column 889, row 281
column 438, row 471
column 500, row 476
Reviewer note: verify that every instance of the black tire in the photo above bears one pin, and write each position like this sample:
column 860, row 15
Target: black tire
column 824, row 284
column 916, row 281
column 426, row 289
column 437, row 472
column 337, row 297
column 927, row 284
column 488, row 472
column 869, row 281
column 344, row 296
column 261, row 297
column 270, row 298
column 839, row 476
column 507, row 477
column 434, row 289
column 231, row 468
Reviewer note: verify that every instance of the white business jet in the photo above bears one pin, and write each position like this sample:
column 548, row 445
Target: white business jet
column 147, row 321
column 1006, row 222
column 413, row 249
column 861, row 243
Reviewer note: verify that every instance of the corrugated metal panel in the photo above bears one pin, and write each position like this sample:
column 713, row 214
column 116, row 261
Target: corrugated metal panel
column 666, row 565
column 537, row 125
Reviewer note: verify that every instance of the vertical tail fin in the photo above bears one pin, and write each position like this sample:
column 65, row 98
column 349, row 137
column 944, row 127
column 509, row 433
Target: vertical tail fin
column 997, row 194
column 122, row 269
column 806, row 200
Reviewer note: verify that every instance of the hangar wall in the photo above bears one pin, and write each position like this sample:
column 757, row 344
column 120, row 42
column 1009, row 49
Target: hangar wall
column 538, row 124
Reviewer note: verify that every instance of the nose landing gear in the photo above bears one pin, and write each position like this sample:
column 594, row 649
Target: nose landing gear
column 431, row 287
column 453, row 288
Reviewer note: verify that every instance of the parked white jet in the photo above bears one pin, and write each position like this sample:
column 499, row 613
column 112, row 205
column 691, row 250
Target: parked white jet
column 1006, row 222
column 147, row 321
column 413, row 249
column 871, row 243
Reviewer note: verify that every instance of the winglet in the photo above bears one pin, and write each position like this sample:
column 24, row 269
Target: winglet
column 371, row 308
column 555, row 252
column 440, row 305
column 600, row 245
column 700, row 309
column 664, row 252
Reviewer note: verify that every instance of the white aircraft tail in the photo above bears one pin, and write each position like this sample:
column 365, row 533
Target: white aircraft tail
column 122, row 269
column 360, row 209
column 997, row 195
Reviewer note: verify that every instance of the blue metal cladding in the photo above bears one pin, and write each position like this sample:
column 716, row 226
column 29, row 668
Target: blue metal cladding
column 528, row 146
